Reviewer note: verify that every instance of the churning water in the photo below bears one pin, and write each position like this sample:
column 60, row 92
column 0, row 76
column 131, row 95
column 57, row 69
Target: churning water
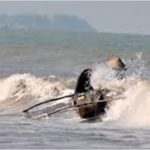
column 32, row 76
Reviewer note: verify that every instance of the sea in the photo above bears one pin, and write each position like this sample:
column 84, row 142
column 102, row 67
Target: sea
column 32, row 72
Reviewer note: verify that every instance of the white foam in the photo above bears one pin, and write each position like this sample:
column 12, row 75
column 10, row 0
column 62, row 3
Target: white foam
column 133, row 108
column 26, row 84
column 137, row 110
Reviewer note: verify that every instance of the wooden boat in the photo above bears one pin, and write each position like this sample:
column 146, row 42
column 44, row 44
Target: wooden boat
column 87, row 100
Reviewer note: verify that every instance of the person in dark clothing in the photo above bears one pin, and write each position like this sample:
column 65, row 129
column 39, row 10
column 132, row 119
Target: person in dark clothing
column 86, row 98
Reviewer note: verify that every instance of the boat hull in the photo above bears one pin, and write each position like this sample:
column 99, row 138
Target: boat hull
column 90, row 110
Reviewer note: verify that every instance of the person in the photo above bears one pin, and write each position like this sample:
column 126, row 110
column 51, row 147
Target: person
column 86, row 98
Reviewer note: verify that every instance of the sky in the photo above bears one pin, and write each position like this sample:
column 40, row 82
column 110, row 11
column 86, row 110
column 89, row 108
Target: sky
column 105, row 16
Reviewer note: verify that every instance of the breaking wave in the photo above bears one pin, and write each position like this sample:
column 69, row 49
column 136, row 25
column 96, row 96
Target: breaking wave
column 20, row 91
column 133, row 107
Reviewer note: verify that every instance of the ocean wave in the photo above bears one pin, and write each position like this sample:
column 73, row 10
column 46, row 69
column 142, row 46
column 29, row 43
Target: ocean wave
column 132, row 109
column 20, row 91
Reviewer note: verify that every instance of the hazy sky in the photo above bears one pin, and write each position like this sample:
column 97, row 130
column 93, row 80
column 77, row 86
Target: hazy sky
column 108, row 16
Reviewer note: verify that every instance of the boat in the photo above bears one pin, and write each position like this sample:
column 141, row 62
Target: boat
column 88, row 102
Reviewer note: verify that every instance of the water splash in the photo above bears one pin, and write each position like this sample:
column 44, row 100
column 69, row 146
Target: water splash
column 133, row 108
column 19, row 91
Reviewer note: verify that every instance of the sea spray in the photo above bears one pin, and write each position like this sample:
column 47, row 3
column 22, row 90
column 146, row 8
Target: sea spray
column 137, row 110
column 18, row 91
column 133, row 107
